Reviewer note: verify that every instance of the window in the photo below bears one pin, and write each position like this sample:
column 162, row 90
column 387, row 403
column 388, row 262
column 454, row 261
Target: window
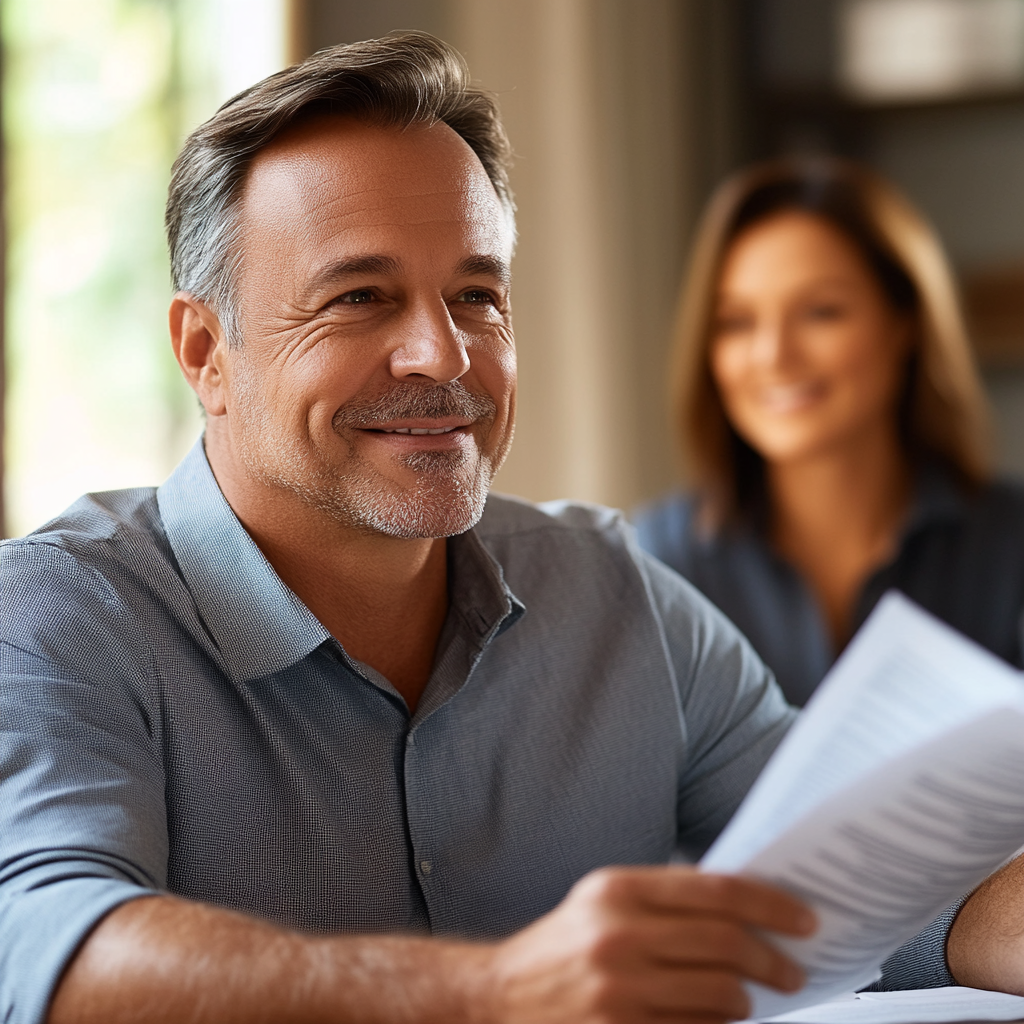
column 931, row 49
column 98, row 95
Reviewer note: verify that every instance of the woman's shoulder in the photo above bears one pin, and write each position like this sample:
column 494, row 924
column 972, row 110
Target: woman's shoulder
column 998, row 503
column 1004, row 492
column 986, row 520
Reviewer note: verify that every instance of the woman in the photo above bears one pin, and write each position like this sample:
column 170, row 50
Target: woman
column 834, row 425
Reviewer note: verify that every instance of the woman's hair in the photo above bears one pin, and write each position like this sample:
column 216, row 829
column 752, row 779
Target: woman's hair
column 943, row 414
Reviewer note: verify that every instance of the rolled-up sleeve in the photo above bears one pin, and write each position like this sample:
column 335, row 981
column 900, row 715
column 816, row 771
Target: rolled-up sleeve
column 83, row 825
column 921, row 962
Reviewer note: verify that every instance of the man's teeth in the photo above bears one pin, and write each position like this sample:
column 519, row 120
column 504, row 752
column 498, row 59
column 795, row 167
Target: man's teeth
column 418, row 430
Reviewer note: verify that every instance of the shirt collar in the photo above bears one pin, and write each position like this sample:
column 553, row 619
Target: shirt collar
column 480, row 607
column 259, row 625
column 477, row 588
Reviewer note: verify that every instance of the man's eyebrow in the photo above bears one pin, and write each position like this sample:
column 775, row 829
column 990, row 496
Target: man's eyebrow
column 353, row 266
column 489, row 266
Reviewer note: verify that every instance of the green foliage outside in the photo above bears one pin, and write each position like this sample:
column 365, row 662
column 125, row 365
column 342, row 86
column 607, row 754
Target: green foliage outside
column 98, row 95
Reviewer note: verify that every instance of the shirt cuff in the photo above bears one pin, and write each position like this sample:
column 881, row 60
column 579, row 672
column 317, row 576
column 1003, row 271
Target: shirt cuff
column 921, row 962
column 40, row 932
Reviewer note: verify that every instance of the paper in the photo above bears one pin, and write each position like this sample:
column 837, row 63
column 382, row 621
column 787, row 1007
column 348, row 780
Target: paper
column 900, row 788
column 926, row 1006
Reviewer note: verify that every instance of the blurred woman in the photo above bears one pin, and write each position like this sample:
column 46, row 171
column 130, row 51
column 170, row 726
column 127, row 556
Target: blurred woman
column 834, row 425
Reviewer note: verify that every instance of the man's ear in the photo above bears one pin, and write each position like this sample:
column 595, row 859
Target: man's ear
column 200, row 347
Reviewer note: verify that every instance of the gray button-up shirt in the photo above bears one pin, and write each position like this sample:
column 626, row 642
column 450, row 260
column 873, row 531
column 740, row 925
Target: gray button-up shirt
column 174, row 719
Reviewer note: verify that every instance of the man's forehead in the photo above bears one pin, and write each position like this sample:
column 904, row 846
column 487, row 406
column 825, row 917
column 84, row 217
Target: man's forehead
column 334, row 165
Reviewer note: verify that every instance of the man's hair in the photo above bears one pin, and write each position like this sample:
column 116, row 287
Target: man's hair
column 403, row 79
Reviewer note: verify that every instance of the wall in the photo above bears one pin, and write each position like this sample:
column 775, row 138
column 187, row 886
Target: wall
column 960, row 159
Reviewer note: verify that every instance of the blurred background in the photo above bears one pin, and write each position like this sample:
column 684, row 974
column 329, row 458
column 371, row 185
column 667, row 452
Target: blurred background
column 623, row 115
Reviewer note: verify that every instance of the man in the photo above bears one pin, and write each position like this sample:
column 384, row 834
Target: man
column 310, row 734
column 986, row 941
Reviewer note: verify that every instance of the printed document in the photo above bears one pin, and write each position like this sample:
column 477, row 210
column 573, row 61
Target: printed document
column 924, row 1006
column 899, row 788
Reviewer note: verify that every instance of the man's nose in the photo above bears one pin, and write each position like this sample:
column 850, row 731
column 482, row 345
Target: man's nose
column 430, row 347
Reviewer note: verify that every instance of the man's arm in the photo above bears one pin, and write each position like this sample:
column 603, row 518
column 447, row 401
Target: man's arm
column 985, row 948
column 626, row 944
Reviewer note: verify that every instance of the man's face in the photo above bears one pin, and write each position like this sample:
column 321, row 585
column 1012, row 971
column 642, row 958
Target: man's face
column 376, row 379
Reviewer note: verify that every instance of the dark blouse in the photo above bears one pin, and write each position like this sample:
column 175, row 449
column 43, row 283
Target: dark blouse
column 961, row 556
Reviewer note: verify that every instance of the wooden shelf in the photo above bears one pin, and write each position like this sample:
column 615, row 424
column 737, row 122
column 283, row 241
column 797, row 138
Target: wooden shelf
column 994, row 303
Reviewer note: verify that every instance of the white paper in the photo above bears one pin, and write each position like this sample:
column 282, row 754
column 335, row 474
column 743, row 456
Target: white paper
column 900, row 788
column 925, row 1006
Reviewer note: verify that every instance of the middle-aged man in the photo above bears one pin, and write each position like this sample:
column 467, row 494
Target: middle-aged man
column 310, row 734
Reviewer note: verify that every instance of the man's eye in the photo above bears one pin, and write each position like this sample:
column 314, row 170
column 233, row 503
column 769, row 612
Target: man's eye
column 477, row 295
column 358, row 297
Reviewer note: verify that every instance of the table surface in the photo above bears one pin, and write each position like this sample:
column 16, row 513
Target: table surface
column 925, row 1006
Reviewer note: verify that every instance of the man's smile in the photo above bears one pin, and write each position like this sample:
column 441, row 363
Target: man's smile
column 416, row 430
column 419, row 427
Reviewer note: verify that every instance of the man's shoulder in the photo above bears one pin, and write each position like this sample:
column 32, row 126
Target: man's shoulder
column 506, row 516
column 80, row 586
column 562, row 546
column 98, row 530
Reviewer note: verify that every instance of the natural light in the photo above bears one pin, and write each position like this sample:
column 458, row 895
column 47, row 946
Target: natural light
column 98, row 96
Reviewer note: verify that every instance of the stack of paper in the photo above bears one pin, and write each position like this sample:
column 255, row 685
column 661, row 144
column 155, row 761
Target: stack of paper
column 927, row 1006
column 900, row 788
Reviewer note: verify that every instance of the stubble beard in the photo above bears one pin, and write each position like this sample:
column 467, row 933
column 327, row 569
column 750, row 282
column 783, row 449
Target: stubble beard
column 450, row 487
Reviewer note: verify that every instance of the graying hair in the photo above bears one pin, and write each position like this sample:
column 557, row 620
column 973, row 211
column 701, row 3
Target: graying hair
column 400, row 80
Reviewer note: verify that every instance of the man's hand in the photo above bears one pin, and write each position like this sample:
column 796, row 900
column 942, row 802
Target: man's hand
column 627, row 944
column 632, row 944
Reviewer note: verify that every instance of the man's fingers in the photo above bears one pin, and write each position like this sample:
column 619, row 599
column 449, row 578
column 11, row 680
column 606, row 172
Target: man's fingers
column 709, row 943
column 669, row 993
column 702, row 943
column 678, row 889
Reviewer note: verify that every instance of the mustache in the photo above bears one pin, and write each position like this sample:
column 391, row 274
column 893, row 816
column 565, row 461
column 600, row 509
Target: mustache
column 416, row 401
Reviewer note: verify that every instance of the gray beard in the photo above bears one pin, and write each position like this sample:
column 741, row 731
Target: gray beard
column 450, row 489
column 448, row 498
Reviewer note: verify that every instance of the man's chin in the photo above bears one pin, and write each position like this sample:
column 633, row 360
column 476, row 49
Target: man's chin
column 412, row 519
column 435, row 505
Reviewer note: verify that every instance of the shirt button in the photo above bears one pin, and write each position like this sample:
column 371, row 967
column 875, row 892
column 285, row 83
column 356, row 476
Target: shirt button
column 426, row 867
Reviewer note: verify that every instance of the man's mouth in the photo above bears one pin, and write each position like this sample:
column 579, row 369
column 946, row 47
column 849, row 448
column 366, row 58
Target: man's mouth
column 418, row 410
column 414, row 430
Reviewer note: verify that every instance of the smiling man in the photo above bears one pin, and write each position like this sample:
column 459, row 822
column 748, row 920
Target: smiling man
column 375, row 263
column 317, row 730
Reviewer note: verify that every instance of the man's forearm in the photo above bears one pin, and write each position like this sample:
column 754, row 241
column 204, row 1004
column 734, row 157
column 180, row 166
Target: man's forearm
column 625, row 944
column 162, row 959
column 985, row 948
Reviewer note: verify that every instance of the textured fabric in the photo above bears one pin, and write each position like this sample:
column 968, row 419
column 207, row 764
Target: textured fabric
column 921, row 962
column 173, row 718
column 960, row 556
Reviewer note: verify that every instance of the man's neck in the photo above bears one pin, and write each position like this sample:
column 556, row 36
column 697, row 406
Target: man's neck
column 384, row 599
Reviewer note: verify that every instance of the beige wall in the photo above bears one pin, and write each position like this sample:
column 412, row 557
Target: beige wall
column 596, row 96
column 591, row 93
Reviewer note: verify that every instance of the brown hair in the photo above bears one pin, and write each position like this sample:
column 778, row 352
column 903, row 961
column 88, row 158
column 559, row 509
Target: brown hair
column 402, row 79
column 944, row 414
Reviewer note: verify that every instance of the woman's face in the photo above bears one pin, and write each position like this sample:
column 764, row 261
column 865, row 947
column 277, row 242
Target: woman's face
column 808, row 353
